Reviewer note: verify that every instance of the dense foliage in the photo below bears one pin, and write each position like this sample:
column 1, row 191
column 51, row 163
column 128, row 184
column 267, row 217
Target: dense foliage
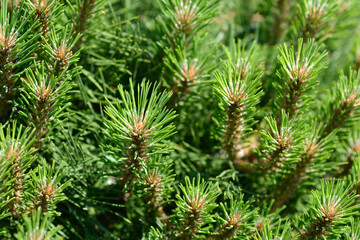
column 179, row 119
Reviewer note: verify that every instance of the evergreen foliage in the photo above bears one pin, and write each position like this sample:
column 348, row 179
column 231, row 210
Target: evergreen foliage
column 179, row 119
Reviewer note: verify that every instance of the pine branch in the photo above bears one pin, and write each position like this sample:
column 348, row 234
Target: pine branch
column 342, row 113
column 314, row 20
column 248, row 57
column 238, row 221
column 183, row 73
column 266, row 217
column 47, row 13
column 319, row 145
column 343, row 109
column 183, row 19
column 182, row 23
column 6, row 67
column 330, row 209
column 15, row 51
column 44, row 12
column 194, row 209
column 140, row 126
column 45, row 98
column 281, row 145
column 298, row 73
column 312, row 165
column 86, row 11
column 60, row 55
column 156, row 179
column 38, row 226
column 187, row 69
column 16, row 157
column 238, row 92
column 46, row 189
column 154, row 184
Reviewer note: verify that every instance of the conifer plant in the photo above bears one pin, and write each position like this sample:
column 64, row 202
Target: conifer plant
column 180, row 119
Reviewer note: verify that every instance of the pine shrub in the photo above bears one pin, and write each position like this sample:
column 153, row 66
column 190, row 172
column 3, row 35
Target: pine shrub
column 179, row 119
